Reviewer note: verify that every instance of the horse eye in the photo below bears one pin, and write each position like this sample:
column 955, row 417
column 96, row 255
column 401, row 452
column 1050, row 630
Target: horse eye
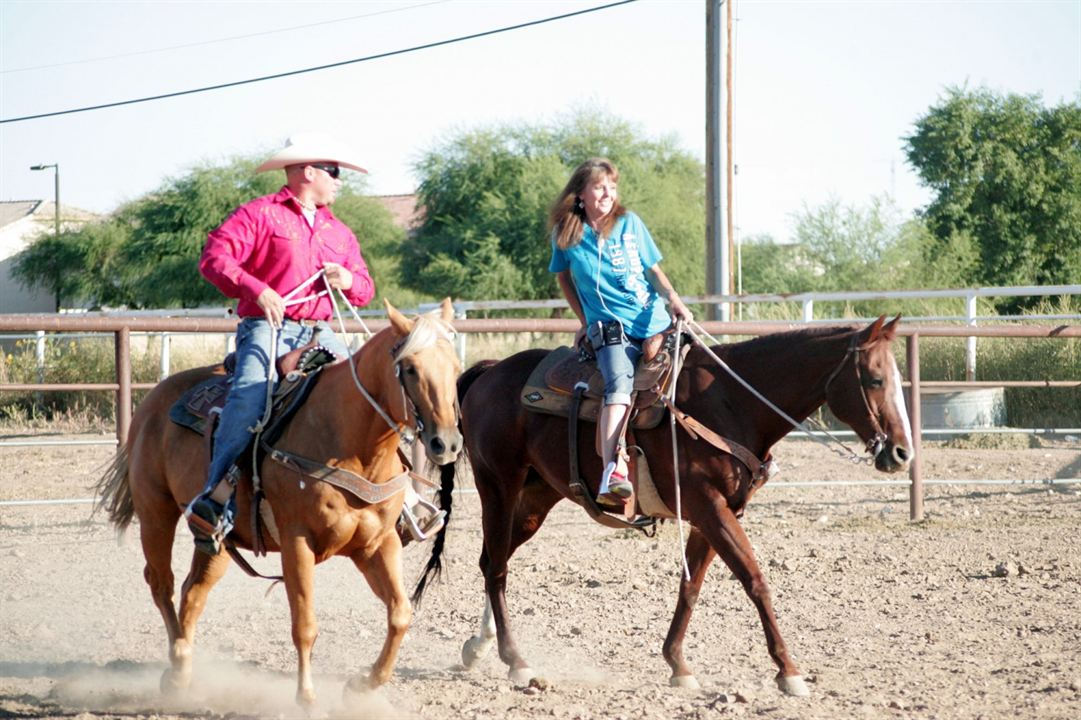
column 410, row 370
column 875, row 382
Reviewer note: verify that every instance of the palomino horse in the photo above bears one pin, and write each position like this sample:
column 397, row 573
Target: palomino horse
column 520, row 462
column 408, row 369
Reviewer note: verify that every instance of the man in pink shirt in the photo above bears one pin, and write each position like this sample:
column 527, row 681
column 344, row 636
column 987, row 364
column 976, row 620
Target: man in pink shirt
column 262, row 255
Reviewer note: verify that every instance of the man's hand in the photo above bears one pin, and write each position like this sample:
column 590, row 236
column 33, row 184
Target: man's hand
column 273, row 306
column 337, row 276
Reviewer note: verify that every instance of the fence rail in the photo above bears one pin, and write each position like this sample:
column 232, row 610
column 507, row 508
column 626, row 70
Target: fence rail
column 122, row 326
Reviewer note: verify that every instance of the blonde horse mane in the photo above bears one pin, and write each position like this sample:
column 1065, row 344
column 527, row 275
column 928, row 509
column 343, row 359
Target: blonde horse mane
column 428, row 329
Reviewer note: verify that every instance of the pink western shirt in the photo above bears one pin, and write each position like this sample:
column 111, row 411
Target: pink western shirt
column 268, row 243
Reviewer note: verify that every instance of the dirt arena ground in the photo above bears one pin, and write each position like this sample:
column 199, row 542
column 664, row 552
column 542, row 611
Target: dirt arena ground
column 975, row 612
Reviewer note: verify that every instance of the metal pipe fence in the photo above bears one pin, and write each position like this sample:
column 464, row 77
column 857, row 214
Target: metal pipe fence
column 121, row 328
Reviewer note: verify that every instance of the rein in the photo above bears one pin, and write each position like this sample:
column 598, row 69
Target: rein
column 845, row 451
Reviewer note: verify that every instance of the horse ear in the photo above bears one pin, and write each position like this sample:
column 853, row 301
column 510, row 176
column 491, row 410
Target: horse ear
column 447, row 310
column 890, row 330
column 874, row 330
column 401, row 324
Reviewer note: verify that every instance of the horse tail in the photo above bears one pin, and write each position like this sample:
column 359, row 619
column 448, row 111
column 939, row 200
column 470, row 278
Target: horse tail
column 434, row 568
column 114, row 491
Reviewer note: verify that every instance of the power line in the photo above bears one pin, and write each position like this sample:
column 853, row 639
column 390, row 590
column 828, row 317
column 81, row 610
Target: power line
column 290, row 73
column 221, row 40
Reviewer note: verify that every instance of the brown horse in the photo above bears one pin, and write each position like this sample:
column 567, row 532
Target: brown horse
column 409, row 369
column 520, row 462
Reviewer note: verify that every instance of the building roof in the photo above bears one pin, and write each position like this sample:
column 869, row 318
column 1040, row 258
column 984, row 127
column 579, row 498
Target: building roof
column 15, row 210
column 404, row 210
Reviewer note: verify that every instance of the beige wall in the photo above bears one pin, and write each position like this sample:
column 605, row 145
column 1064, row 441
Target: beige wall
column 14, row 298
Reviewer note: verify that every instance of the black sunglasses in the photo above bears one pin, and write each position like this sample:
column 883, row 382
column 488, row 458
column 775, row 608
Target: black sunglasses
column 333, row 170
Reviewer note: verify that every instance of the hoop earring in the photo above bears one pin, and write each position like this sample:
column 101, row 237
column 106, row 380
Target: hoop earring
column 580, row 204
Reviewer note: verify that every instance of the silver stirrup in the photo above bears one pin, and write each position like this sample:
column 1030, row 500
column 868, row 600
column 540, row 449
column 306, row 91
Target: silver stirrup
column 432, row 524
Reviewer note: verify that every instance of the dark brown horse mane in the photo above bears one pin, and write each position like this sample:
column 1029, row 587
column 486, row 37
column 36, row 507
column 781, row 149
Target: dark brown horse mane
column 778, row 341
column 751, row 352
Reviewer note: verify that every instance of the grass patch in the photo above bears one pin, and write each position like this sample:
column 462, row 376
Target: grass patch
column 992, row 441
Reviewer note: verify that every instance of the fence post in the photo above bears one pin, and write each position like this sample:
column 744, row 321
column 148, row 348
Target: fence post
column 915, row 488
column 39, row 354
column 163, row 365
column 808, row 310
column 459, row 338
column 123, row 380
column 970, row 341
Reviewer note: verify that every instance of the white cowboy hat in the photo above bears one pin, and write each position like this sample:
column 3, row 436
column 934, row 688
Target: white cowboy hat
column 308, row 148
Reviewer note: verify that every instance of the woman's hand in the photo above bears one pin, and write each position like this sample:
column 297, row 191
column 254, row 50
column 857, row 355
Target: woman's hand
column 678, row 310
column 579, row 335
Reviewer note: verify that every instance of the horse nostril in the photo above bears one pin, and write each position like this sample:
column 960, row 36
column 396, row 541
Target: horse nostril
column 437, row 446
column 901, row 453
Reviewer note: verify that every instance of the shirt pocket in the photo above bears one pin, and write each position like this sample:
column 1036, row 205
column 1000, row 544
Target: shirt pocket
column 283, row 240
column 335, row 246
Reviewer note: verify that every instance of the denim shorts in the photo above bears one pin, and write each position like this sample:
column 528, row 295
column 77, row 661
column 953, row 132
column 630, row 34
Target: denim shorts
column 617, row 362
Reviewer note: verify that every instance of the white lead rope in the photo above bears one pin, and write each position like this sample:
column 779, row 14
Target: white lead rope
column 272, row 371
column 290, row 300
column 407, row 436
column 272, row 354
column 676, row 362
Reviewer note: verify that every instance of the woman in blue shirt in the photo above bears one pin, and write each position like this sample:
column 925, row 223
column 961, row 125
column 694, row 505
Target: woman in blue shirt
column 608, row 268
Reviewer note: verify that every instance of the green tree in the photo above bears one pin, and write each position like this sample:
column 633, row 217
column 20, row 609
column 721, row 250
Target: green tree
column 487, row 192
column 1006, row 173
column 839, row 248
column 146, row 254
column 78, row 266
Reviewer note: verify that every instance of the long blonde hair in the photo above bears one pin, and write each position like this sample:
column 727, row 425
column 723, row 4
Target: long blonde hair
column 567, row 218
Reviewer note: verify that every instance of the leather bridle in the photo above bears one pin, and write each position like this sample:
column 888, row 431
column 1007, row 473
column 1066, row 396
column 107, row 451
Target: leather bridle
column 877, row 442
column 409, row 402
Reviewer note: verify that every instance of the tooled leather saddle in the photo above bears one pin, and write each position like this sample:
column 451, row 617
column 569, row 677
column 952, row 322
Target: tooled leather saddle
column 297, row 372
column 551, row 386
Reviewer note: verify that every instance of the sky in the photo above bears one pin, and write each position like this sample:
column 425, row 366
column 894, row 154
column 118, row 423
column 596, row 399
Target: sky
column 825, row 92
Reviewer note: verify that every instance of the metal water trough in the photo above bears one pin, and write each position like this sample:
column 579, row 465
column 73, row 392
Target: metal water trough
column 963, row 409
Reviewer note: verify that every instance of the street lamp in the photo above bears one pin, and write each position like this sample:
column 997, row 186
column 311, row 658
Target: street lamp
column 56, row 210
column 56, row 192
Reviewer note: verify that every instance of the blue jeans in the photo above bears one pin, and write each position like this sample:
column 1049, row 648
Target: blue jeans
column 617, row 363
column 246, row 402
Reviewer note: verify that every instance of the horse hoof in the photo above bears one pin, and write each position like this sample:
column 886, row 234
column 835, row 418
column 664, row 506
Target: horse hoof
column 684, row 681
column 521, row 676
column 305, row 699
column 793, row 685
column 473, row 650
column 173, row 682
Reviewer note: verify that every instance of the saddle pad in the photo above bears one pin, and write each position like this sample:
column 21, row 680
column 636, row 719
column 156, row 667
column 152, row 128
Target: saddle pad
column 537, row 396
column 192, row 408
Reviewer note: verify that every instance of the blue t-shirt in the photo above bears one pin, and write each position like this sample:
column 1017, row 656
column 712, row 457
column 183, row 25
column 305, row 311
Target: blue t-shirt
column 610, row 277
